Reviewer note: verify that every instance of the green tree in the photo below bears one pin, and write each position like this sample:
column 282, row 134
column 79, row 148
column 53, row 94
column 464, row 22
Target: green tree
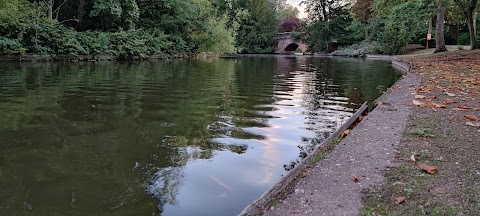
column 120, row 13
column 258, row 29
column 363, row 10
column 468, row 8
column 328, row 20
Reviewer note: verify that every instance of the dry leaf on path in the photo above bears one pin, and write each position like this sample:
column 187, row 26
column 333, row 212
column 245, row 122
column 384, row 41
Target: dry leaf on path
column 417, row 103
column 355, row 178
column 471, row 124
column 413, row 158
column 401, row 200
column 450, row 94
column 464, row 107
column 448, row 101
column 439, row 105
column 472, row 117
column 362, row 117
column 345, row 133
column 427, row 168
column 419, row 97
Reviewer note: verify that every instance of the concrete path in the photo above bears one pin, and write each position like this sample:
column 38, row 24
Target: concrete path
column 328, row 189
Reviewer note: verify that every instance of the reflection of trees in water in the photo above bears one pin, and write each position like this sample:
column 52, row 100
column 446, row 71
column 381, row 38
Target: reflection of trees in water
column 331, row 90
column 92, row 136
column 93, row 131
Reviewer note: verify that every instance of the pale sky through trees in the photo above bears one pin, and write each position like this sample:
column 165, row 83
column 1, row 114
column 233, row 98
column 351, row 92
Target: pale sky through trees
column 296, row 3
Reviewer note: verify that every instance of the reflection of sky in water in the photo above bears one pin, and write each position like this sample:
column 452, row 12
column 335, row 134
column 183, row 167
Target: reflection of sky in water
column 202, row 137
column 292, row 124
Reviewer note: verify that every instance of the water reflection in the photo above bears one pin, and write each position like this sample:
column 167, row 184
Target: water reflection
column 184, row 137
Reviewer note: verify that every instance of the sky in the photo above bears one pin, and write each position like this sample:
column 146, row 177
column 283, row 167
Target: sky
column 296, row 3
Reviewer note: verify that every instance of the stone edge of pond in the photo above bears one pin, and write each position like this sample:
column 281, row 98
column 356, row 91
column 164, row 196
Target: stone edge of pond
column 269, row 197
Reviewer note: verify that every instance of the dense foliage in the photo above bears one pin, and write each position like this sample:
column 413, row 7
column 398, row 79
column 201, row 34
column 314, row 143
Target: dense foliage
column 139, row 28
column 389, row 24
column 169, row 28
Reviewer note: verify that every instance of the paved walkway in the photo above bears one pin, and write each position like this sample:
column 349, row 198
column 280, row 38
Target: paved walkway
column 328, row 189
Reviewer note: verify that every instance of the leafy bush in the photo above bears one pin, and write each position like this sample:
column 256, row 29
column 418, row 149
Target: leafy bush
column 96, row 43
column 360, row 49
column 11, row 47
column 53, row 39
column 401, row 26
column 431, row 43
column 464, row 38
column 129, row 44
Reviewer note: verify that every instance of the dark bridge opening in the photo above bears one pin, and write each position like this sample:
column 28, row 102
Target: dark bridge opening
column 291, row 47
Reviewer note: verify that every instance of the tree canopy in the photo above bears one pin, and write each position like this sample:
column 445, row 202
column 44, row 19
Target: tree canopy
column 169, row 28
column 139, row 28
column 389, row 25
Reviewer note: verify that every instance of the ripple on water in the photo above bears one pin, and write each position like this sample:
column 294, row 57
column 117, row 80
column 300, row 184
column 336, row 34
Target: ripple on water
column 182, row 137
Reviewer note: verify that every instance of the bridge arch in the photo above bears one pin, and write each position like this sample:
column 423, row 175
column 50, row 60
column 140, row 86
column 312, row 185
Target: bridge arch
column 292, row 47
column 288, row 44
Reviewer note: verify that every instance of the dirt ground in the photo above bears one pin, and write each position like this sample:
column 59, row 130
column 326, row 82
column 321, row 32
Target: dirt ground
column 443, row 131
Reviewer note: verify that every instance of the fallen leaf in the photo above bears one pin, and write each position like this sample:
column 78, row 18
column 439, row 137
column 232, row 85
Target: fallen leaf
column 363, row 117
column 472, row 117
column 413, row 158
column 439, row 105
column 448, row 101
column 401, row 200
column 464, row 107
column 471, row 124
column 417, row 103
column 345, row 133
column 450, row 94
column 427, row 168
column 354, row 178
column 459, row 109
column 419, row 97
column 435, row 110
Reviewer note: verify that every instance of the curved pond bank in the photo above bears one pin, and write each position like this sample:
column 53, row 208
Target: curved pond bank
column 334, row 184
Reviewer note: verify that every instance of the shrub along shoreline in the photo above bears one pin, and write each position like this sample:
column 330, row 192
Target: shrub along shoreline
column 50, row 41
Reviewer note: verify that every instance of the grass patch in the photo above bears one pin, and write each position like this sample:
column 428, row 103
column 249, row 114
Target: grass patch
column 423, row 132
column 323, row 154
column 319, row 157
column 274, row 203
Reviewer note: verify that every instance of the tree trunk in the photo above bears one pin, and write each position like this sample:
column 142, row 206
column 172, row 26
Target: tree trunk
column 439, row 28
column 472, row 32
column 366, row 31
column 456, row 33
column 475, row 28
column 468, row 8
column 50, row 9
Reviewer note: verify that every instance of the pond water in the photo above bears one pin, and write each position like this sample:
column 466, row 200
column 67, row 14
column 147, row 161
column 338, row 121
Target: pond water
column 179, row 137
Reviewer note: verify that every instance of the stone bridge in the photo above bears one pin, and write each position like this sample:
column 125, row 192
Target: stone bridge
column 287, row 44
